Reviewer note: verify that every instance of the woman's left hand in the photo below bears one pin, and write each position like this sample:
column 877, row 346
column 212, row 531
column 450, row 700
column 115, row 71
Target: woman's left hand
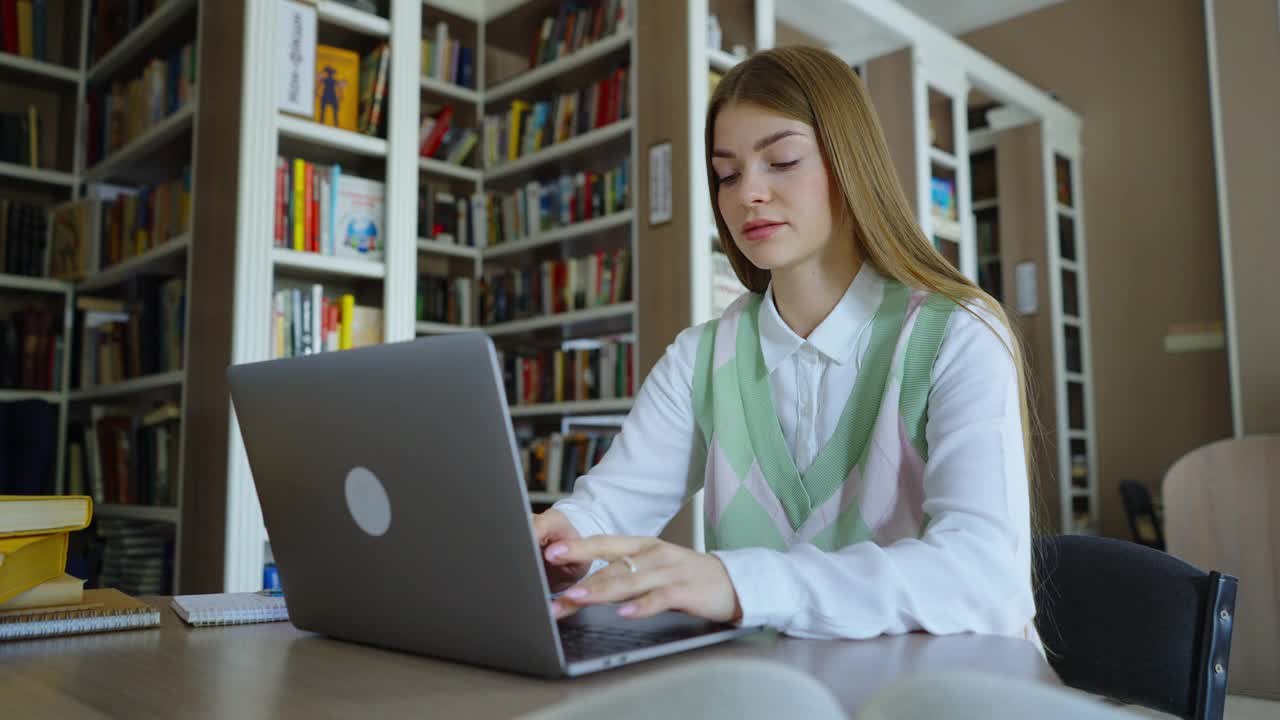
column 665, row 577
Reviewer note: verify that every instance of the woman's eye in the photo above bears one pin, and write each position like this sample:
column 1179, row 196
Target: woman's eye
column 727, row 179
column 785, row 165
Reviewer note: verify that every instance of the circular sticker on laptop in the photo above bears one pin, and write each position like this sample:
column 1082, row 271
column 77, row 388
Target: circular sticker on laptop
column 367, row 501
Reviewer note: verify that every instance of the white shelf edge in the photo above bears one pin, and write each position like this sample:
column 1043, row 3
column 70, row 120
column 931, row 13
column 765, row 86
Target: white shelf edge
column 1071, row 320
column 423, row 327
column 48, row 177
column 166, row 513
column 143, row 35
column 558, row 319
column 352, row 19
column 154, row 137
column 722, row 61
column 443, row 248
column 1069, row 265
column 1065, row 210
column 947, row 229
column 572, row 408
column 1079, row 492
column 1074, row 377
column 441, row 167
column 980, row 205
column 313, row 132
column 598, row 136
column 1077, row 435
column 33, row 284
column 539, row 74
column 327, row 264
column 53, row 71
column 122, row 271
column 450, row 90
column 559, row 235
column 130, row 387
column 51, row 396
column 943, row 158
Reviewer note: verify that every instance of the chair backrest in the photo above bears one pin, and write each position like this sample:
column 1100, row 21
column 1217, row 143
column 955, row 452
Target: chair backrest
column 1135, row 624
column 1141, row 513
column 1222, row 510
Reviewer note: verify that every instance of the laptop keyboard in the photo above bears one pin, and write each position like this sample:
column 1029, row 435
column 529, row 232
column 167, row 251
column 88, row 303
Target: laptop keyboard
column 584, row 641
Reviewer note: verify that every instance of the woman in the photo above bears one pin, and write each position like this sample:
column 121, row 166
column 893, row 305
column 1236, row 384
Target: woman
column 858, row 419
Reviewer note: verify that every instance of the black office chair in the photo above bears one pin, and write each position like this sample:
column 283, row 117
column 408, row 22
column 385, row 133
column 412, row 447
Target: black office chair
column 1141, row 513
column 1134, row 624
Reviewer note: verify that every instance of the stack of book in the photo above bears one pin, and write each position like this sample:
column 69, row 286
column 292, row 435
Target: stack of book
column 37, row 597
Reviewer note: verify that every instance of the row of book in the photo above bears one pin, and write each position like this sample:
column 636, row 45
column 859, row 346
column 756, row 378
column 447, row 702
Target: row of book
column 555, row 286
column 24, row 238
column 540, row 207
column 444, row 299
column 446, row 58
column 321, row 209
column 444, row 216
column 35, row 533
column 139, row 335
column 440, row 139
column 526, row 128
column 306, row 321
column 350, row 89
column 127, row 109
column 137, row 556
column 20, row 137
column 575, row 26
column 28, row 447
column 31, row 349
column 122, row 456
column 24, row 28
column 112, row 21
column 553, row 463
column 589, row 369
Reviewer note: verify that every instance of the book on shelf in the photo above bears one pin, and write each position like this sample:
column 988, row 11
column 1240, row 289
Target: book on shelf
column 42, row 514
column 439, row 139
column 443, row 216
column 20, row 135
column 337, row 81
column 140, row 335
column 446, row 59
column 28, row 447
column 574, row 26
column 552, row 463
column 137, row 555
column 24, row 238
column 133, row 220
column 306, row 320
column 577, row 370
column 539, row 207
column 373, row 88
column 943, row 198
column 321, row 209
column 555, row 286
column 126, row 109
column 529, row 127
column 62, row 591
column 103, row 610
column 112, row 21
column 127, row 456
column 31, row 349
column 442, row 298
column 74, row 231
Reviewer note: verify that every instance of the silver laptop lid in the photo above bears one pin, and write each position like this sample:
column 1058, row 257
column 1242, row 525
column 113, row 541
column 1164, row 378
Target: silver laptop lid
column 447, row 564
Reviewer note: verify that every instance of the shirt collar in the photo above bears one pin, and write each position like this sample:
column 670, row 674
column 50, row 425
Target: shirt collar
column 836, row 336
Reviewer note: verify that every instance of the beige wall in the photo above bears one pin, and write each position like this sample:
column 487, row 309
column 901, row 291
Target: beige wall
column 1248, row 55
column 1136, row 73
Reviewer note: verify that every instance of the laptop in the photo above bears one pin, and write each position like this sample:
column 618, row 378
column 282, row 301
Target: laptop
column 393, row 495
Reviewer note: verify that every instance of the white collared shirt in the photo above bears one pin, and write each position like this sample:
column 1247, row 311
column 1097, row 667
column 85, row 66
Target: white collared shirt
column 971, row 570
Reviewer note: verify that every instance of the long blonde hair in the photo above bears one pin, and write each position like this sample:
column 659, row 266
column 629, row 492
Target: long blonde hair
column 813, row 86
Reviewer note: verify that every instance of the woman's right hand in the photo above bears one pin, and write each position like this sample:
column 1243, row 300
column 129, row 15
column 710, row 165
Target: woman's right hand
column 549, row 527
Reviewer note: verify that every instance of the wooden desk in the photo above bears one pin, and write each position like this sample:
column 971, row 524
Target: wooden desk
column 274, row 670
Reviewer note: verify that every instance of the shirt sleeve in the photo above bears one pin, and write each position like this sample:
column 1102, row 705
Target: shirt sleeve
column 642, row 481
column 970, row 572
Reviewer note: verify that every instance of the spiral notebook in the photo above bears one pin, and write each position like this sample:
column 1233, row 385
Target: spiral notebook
column 229, row 609
column 103, row 610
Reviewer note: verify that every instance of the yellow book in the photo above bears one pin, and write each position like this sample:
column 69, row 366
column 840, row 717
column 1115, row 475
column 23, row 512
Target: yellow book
column 43, row 514
column 26, row 35
column 299, row 197
column 33, row 122
column 519, row 109
column 344, row 333
column 337, row 87
column 25, row 562
column 65, row 590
